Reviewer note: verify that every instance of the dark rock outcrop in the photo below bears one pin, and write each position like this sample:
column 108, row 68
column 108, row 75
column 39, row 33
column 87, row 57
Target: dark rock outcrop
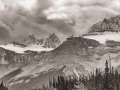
column 112, row 43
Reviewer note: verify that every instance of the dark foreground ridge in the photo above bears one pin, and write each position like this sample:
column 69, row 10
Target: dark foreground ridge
column 3, row 86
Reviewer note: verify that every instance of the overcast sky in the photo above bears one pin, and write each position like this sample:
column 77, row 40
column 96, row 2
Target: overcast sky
column 19, row 18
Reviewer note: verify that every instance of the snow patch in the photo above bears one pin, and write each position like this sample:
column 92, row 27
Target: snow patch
column 17, row 82
column 76, row 73
column 27, row 80
column 34, row 75
column 90, row 47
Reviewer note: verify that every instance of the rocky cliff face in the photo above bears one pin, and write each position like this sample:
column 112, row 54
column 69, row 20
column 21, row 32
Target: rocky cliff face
column 110, row 25
column 8, row 57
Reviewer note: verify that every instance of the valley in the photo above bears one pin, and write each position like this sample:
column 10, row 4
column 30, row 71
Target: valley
column 33, row 61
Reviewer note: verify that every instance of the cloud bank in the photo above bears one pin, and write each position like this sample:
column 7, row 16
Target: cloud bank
column 19, row 18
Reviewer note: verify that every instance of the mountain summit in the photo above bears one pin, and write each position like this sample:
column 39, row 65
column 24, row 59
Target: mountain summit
column 31, row 39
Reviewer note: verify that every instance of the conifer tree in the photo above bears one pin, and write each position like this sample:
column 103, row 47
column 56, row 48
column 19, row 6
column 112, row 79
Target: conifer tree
column 106, row 83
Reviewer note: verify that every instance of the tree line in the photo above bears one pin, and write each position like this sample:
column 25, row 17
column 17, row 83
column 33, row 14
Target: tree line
column 109, row 79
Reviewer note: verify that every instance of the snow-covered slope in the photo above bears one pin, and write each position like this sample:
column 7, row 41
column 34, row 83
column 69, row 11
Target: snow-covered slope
column 102, row 38
column 19, row 49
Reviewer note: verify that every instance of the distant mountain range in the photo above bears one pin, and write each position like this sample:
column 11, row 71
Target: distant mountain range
column 34, row 44
column 75, row 57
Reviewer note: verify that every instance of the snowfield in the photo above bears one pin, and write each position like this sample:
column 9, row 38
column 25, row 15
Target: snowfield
column 106, row 36
column 19, row 49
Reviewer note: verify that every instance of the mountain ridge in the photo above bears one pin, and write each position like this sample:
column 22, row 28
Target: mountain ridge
column 110, row 25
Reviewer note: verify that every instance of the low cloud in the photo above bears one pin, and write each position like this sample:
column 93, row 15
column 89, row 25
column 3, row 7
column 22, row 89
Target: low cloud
column 19, row 18
column 84, row 13
column 5, row 34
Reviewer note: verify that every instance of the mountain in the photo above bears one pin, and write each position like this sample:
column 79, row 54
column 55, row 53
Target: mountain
column 110, row 25
column 75, row 57
column 71, row 58
column 34, row 44
column 108, row 29
column 51, row 42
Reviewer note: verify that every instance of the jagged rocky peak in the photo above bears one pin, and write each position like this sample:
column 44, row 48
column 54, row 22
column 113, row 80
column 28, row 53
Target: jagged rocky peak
column 52, row 41
column 109, row 25
column 31, row 39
